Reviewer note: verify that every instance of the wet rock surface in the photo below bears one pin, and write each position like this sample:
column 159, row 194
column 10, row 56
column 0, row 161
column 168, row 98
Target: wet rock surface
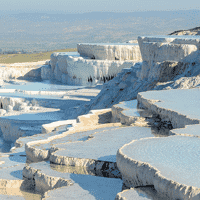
column 80, row 187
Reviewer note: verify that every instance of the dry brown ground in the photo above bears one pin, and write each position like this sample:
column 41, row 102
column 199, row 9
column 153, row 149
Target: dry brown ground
column 34, row 57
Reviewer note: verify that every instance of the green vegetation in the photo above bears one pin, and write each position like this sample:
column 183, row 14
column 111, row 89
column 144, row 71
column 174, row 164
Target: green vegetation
column 32, row 57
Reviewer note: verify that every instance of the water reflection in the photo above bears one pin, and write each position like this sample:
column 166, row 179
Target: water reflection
column 101, row 172
column 147, row 192
column 46, row 85
column 18, row 192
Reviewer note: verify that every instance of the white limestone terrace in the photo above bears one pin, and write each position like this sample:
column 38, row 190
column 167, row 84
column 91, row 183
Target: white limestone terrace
column 12, row 184
column 170, row 164
column 169, row 48
column 140, row 77
column 18, row 158
column 127, row 113
column 24, row 112
column 85, row 148
column 99, row 147
column 14, row 161
column 110, row 51
column 140, row 193
column 174, row 39
column 77, row 186
column 171, row 105
column 164, row 75
column 45, row 177
column 70, row 68
column 57, row 131
column 27, row 70
column 188, row 130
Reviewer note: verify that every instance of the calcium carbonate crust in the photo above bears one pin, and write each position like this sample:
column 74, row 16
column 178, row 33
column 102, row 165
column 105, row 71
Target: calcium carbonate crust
column 177, row 119
column 84, row 123
column 119, row 116
column 42, row 182
column 137, row 173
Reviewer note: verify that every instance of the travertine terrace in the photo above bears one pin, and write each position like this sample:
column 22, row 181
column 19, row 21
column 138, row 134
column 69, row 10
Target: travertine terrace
column 82, row 125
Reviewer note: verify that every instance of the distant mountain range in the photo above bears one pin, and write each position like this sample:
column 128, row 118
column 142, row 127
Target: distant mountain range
column 41, row 32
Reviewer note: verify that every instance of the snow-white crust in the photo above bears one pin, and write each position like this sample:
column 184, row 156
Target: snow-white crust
column 70, row 68
column 140, row 173
column 117, row 51
column 127, row 113
column 172, row 111
column 169, row 48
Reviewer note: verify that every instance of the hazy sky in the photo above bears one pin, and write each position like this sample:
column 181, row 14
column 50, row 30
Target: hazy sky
column 80, row 6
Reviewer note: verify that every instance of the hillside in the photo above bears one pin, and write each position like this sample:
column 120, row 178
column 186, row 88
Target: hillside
column 41, row 31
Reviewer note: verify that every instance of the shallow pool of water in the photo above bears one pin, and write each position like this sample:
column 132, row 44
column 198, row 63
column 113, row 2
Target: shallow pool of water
column 177, row 100
column 176, row 157
column 38, row 86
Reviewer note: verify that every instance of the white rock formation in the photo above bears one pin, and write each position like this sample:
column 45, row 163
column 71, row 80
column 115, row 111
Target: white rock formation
column 162, row 162
column 188, row 130
column 170, row 105
column 42, row 182
column 95, row 63
column 77, row 186
column 127, row 113
column 98, row 150
column 159, row 52
column 69, row 68
column 140, row 193
column 106, row 51
column 84, row 123
column 173, row 39
column 169, row 48
column 46, row 72
column 85, row 71
column 142, row 77
column 12, row 72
